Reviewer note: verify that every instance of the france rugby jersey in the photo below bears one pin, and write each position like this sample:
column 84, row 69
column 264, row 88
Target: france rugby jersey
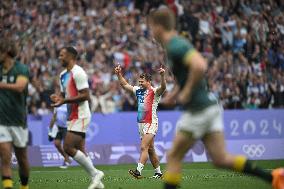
column 71, row 82
column 148, row 101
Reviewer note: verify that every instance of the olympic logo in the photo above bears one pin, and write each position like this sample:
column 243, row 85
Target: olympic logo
column 254, row 150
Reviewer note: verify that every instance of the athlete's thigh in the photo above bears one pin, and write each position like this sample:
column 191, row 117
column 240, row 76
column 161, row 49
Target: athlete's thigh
column 21, row 154
column 215, row 144
column 152, row 143
column 73, row 139
column 81, row 145
column 182, row 142
column 5, row 150
column 147, row 139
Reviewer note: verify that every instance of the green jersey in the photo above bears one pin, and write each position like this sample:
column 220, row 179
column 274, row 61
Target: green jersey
column 178, row 49
column 13, row 110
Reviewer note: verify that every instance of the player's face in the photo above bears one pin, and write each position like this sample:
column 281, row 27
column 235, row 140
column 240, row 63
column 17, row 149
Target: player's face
column 143, row 83
column 63, row 57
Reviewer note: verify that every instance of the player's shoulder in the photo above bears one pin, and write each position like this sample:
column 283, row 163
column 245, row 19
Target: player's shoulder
column 21, row 66
column 62, row 73
column 178, row 42
column 77, row 69
column 154, row 88
column 21, row 69
column 178, row 47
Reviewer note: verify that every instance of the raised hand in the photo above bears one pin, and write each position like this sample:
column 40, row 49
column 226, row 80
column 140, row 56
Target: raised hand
column 161, row 71
column 117, row 70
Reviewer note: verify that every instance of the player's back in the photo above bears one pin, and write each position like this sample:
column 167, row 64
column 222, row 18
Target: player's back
column 179, row 49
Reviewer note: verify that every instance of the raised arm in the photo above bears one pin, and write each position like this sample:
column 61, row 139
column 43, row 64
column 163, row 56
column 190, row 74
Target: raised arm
column 161, row 89
column 125, row 85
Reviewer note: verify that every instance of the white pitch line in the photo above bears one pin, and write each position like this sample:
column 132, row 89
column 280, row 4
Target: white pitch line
column 117, row 170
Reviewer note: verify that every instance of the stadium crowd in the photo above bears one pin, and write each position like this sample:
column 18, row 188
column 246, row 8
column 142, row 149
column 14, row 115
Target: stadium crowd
column 243, row 42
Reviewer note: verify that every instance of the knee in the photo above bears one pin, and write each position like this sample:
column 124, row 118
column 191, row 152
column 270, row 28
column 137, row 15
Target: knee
column 67, row 148
column 221, row 161
column 6, row 158
column 151, row 150
column 144, row 148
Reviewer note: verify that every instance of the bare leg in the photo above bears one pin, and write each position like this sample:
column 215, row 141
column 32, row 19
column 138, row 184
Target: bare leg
column 6, row 171
column 152, row 155
column 6, row 155
column 183, row 141
column 145, row 144
column 22, row 158
column 57, row 144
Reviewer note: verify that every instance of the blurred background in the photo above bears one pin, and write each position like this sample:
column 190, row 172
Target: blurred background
column 243, row 42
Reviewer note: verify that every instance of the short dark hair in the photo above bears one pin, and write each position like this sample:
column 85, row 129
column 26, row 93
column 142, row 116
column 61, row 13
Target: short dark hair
column 163, row 17
column 71, row 50
column 8, row 46
column 146, row 76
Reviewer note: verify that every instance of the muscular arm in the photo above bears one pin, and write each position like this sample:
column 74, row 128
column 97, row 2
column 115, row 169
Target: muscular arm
column 19, row 86
column 82, row 96
column 163, row 86
column 125, row 85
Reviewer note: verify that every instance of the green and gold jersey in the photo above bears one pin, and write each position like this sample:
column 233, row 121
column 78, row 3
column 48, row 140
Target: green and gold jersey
column 178, row 50
column 13, row 110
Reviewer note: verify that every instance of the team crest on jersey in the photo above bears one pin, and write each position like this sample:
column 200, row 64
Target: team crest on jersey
column 4, row 79
column 12, row 79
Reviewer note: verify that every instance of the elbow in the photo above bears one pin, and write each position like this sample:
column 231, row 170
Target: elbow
column 202, row 68
column 20, row 89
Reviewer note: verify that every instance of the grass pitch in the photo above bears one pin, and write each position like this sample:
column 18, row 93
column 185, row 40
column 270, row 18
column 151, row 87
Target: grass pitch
column 195, row 176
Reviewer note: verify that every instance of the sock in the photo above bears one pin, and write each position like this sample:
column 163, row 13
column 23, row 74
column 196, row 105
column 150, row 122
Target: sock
column 172, row 180
column 24, row 187
column 140, row 167
column 83, row 160
column 7, row 182
column 158, row 170
column 241, row 164
column 91, row 162
column 24, row 182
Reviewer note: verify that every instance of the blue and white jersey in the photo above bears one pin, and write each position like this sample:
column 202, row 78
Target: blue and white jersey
column 61, row 117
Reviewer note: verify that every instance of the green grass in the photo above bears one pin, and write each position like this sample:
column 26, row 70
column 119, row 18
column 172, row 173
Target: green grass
column 195, row 175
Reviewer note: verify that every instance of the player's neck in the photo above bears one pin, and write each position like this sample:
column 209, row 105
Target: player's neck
column 148, row 87
column 167, row 36
column 8, row 64
column 71, row 65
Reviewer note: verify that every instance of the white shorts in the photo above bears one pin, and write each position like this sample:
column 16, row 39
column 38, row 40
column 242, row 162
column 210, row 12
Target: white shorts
column 200, row 123
column 17, row 135
column 147, row 128
column 78, row 125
